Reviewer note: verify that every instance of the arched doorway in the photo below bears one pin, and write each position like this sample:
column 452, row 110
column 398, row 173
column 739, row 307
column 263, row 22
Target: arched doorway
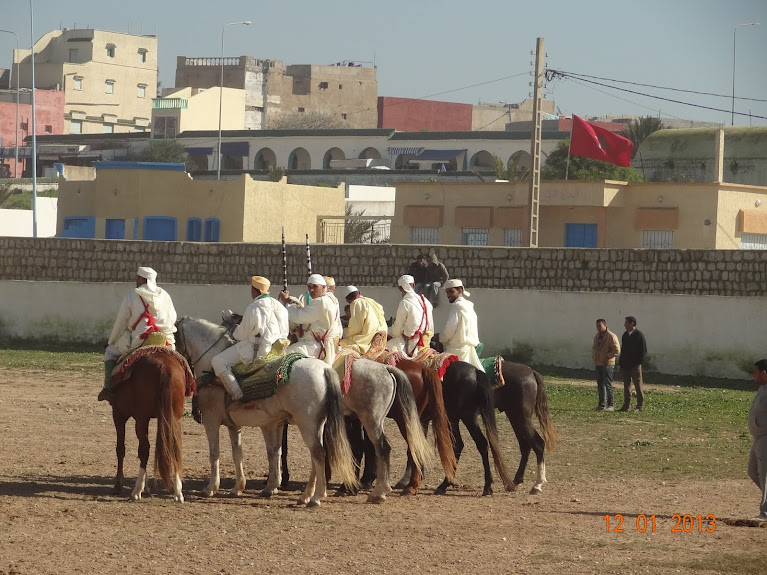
column 482, row 162
column 265, row 159
column 299, row 159
column 370, row 154
column 520, row 163
column 332, row 154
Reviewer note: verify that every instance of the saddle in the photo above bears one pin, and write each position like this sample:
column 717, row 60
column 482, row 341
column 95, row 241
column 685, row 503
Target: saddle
column 427, row 357
column 346, row 357
column 493, row 370
column 124, row 367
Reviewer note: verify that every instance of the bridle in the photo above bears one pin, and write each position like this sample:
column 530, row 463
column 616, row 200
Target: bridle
column 183, row 350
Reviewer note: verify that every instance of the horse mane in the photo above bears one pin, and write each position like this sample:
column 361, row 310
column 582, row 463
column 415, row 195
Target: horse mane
column 197, row 326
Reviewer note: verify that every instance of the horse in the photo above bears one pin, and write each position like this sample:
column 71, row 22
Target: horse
column 467, row 390
column 154, row 389
column 310, row 399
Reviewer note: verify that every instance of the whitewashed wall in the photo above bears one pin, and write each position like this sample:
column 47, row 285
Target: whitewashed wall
column 690, row 335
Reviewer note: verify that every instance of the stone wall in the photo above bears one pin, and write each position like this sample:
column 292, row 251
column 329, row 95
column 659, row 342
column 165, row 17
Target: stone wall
column 698, row 272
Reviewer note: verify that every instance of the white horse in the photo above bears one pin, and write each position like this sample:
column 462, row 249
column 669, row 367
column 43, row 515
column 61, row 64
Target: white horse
column 311, row 399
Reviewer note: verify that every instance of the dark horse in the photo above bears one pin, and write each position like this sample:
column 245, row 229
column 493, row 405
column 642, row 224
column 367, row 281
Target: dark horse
column 155, row 388
column 466, row 389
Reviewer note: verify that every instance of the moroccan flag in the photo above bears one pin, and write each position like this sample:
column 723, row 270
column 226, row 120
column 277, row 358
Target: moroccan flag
column 593, row 142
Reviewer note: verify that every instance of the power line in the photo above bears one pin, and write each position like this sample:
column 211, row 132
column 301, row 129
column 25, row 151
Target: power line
column 507, row 113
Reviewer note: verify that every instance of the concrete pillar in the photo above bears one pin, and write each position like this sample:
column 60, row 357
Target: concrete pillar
column 719, row 155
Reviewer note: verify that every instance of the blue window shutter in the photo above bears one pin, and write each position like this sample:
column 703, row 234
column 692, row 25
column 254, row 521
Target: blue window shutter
column 212, row 229
column 115, row 230
column 160, row 228
column 581, row 235
column 135, row 228
column 79, row 227
column 194, row 230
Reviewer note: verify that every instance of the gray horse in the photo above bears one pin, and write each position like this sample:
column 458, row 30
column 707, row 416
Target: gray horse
column 311, row 399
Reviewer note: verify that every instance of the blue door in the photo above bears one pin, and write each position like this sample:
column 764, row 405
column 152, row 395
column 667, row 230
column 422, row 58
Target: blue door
column 115, row 230
column 212, row 229
column 160, row 228
column 580, row 235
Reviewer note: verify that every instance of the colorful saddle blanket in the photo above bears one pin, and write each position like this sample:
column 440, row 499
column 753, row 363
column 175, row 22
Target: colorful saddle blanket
column 124, row 367
column 493, row 370
column 242, row 371
column 427, row 357
column 264, row 382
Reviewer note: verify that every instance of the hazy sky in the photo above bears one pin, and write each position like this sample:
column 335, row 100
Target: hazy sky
column 422, row 47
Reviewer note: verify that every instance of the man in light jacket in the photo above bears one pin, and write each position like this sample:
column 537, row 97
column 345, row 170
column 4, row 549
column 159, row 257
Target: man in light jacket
column 604, row 350
column 413, row 327
column 461, row 335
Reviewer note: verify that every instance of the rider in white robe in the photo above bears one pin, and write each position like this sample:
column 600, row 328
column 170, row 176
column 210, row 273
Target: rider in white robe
column 413, row 326
column 461, row 335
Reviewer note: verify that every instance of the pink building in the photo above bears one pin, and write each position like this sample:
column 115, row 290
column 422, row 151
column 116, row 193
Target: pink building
column 413, row 115
column 49, row 107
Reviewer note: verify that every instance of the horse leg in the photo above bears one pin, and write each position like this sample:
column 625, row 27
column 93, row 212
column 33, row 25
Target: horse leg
column 285, row 472
column 356, row 442
column 142, row 433
column 316, row 487
column 411, row 479
column 120, row 422
column 371, row 463
column 481, row 442
column 235, row 438
column 273, row 441
column 528, row 438
column 212, row 431
column 455, row 429
column 383, row 454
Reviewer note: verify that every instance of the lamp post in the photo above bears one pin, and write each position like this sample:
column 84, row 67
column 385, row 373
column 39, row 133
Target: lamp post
column 734, row 32
column 34, row 125
column 16, row 152
column 221, row 94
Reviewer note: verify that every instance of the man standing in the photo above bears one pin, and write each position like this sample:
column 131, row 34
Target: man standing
column 604, row 349
column 633, row 353
column 436, row 276
column 419, row 272
column 263, row 323
column 338, row 329
column 145, row 310
column 461, row 335
column 319, row 317
column 757, row 426
column 413, row 327
column 366, row 320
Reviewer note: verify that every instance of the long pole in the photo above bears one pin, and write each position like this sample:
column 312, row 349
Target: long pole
column 569, row 147
column 308, row 256
column 34, row 125
column 16, row 151
column 284, row 263
column 221, row 95
column 734, row 32
column 533, row 201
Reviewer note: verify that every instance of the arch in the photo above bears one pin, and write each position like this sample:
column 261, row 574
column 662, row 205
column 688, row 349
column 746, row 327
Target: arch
column 332, row 154
column 482, row 161
column 299, row 159
column 522, row 161
column 265, row 159
column 401, row 163
column 370, row 153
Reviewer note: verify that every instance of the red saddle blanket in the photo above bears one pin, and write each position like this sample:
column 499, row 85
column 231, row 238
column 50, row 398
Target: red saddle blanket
column 123, row 370
column 426, row 357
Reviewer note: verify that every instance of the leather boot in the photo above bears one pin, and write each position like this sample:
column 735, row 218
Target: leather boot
column 106, row 394
column 231, row 385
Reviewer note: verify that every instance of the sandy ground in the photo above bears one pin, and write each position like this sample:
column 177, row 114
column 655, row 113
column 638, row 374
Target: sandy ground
column 57, row 515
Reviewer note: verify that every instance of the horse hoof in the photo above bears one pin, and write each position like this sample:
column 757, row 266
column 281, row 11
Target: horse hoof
column 267, row 493
column 536, row 490
column 313, row 503
column 440, row 491
column 366, row 485
column 513, row 487
column 178, row 498
column 208, row 492
column 409, row 491
column 135, row 497
column 400, row 485
column 487, row 492
column 376, row 498
column 301, row 501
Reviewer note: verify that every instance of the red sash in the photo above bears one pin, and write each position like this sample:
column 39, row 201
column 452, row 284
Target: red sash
column 321, row 340
column 423, row 326
column 151, row 326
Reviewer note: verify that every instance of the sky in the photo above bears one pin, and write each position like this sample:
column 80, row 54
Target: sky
column 442, row 50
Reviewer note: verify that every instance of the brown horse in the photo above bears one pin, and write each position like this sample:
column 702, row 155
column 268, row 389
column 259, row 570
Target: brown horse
column 154, row 388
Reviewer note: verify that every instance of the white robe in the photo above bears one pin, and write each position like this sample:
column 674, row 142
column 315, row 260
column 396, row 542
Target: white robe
column 319, row 319
column 260, row 326
column 159, row 304
column 409, row 320
column 461, row 335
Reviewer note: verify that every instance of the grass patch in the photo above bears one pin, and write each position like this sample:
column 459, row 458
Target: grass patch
column 52, row 360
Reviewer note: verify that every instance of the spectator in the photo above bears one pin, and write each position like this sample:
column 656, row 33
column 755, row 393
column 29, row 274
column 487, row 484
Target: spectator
column 604, row 349
column 757, row 426
column 419, row 272
column 436, row 276
column 633, row 353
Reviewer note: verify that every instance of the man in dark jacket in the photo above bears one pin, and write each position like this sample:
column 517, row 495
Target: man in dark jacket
column 436, row 276
column 419, row 269
column 633, row 353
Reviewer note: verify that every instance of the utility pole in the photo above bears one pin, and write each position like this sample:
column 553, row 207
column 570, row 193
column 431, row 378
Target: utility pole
column 535, row 148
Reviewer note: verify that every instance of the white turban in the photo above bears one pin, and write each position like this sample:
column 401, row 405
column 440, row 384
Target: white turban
column 316, row 279
column 456, row 284
column 405, row 281
column 150, row 275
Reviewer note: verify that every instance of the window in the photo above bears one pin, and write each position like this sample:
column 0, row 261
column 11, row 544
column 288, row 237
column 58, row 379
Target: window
column 424, row 235
column 142, row 90
column 115, row 230
column 107, row 129
column 301, row 110
column 340, row 86
column 160, row 228
column 142, row 55
column 323, row 85
column 76, row 127
column 109, row 87
column 24, row 126
column 512, row 237
column 658, row 239
column 48, row 129
column 78, row 83
column 474, row 236
column 194, row 230
column 73, row 56
column 753, row 241
column 212, row 229
column 79, row 227
column 164, row 128
column 580, row 235
column 343, row 116
column 110, row 50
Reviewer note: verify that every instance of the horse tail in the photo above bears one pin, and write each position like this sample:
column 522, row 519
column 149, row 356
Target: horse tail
column 487, row 412
column 550, row 436
column 168, row 460
column 443, row 438
column 337, row 449
column 405, row 400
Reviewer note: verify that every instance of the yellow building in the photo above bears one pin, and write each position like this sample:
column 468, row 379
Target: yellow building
column 154, row 201
column 109, row 78
column 601, row 214
column 197, row 109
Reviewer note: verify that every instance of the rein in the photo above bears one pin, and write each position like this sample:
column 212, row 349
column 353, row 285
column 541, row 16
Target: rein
column 180, row 327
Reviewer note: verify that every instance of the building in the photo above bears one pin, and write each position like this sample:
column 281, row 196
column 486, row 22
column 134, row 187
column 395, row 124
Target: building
column 49, row 111
column 495, row 116
column 346, row 91
column 108, row 78
column 584, row 214
column 135, row 200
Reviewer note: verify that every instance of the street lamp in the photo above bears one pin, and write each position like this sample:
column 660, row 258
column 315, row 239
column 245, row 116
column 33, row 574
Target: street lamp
column 16, row 153
column 732, row 119
column 221, row 93
column 34, row 125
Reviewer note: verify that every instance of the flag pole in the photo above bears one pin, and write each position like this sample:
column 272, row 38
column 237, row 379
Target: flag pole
column 284, row 263
column 569, row 145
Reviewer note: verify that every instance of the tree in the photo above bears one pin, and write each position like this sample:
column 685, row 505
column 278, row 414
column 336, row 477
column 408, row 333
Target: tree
column 511, row 171
column 166, row 151
column 638, row 130
column 584, row 168
column 310, row 121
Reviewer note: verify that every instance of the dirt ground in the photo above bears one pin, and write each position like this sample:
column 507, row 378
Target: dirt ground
column 57, row 514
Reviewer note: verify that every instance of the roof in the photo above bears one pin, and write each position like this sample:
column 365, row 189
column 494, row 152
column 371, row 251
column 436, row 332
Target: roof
column 75, row 139
column 284, row 133
column 474, row 135
column 700, row 143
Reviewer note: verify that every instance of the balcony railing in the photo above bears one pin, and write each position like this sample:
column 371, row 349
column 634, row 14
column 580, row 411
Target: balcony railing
column 229, row 61
column 355, row 230
column 169, row 103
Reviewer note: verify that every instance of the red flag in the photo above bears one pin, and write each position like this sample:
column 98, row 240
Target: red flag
column 593, row 142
